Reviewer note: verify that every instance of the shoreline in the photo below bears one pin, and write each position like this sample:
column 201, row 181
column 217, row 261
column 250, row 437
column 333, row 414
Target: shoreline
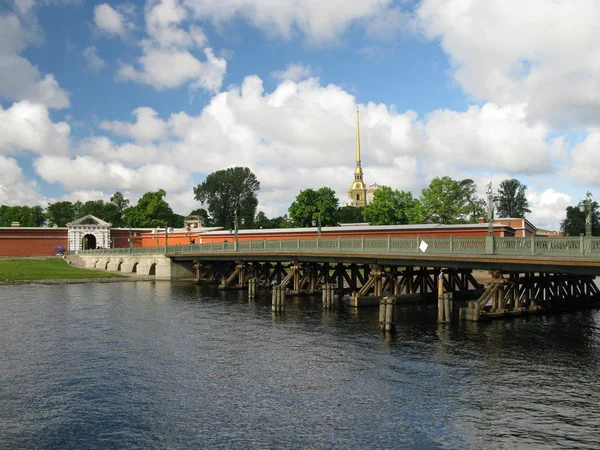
column 81, row 280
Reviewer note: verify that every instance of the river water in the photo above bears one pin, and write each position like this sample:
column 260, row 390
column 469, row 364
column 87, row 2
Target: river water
column 173, row 365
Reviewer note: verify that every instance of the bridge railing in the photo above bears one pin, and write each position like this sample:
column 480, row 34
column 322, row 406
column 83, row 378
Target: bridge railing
column 538, row 246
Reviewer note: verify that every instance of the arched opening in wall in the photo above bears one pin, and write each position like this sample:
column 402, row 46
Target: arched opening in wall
column 119, row 266
column 106, row 265
column 152, row 270
column 88, row 242
column 134, row 268
column 96, row 264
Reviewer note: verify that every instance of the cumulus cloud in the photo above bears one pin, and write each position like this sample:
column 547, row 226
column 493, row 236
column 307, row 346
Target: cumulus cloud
column 21, row 80
column 168, row 60
column 88, row 173
column 94, row 62
column 26, row 126
column 15, row 188
column 492, row 137
column 294, row 72
column 171, row 68
column 148, row 127
column 584, row 166
column 163, row 23
column 548, row 208
column 509, row 53
column 110, row 21
column 317, row 20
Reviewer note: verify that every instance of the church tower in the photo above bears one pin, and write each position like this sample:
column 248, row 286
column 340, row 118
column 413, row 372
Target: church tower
column 358, row 189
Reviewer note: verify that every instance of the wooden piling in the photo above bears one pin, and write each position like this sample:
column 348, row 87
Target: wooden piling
column 441, row 307
column 252, row 288
column 328, row 295
column 278, row 298
column 448, row 306
column 386, row 314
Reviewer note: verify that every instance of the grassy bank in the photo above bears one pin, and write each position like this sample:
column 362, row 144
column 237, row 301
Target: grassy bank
column 46, row 269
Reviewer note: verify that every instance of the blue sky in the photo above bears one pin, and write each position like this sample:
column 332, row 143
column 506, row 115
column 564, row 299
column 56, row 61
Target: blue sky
column 133, row 96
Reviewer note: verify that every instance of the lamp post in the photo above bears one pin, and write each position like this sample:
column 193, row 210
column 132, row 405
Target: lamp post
column 235, row 230
column 166, row 237
column 129, row 239
column 490, row 209
column 586, row 206
column 318, row 224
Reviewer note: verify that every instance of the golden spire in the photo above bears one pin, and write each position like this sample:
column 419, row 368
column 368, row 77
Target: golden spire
column 357, row 138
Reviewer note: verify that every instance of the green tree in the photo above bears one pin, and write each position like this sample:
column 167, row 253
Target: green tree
column 311, row 205
column 115, row 210
column 449, row 201
column 60, row 213
column 201, row 212
column 350, row 214
column 227, row 192
column 511, row 199
column 574, row 222
column 390, row 207
column 152, row 211
column 27, row 216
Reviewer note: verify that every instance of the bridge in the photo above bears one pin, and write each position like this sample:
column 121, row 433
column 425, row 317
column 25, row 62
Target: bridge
column 529, row 274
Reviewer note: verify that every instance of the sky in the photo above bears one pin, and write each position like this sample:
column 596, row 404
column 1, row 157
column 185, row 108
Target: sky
column 136, row 96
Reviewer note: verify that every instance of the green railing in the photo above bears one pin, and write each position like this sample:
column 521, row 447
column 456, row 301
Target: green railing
column 532, row 246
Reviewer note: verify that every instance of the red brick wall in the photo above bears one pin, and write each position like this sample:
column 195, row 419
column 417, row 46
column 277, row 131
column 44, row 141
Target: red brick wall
column 31, row 241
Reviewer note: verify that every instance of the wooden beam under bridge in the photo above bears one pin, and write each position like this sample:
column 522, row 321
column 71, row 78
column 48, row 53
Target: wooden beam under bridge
column 512, row 294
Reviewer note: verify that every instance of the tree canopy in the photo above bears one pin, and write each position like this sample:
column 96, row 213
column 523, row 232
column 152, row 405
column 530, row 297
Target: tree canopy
column 315, row 205
column 574, row 222
column 350, row 214
column 449, row 201
column 60, row 213
column 227, row 192
column 391, row 207
column 152, row 211
column 27, row 216
column 511, row 199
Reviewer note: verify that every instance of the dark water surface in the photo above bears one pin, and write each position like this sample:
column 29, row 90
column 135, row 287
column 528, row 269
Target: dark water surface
column 161, row 365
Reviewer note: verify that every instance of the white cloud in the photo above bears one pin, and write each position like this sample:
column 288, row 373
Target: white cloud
column 88, row 173
column 548, row 208
column 540, row 53
column 167, row 59
column 94, row 62
column 492, row 137
column 146, row 128
column 317, row 20
column 170, row 68
column 584, row 167
column 294, row 72
column 21, row 80
column 163, row 23
column 109, row 20
column 26, row 126
column 15, row 188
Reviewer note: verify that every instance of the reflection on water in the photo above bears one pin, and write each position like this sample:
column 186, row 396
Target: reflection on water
column 161, row 365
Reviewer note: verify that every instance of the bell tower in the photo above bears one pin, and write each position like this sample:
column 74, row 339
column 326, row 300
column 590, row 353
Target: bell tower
column 358, row 189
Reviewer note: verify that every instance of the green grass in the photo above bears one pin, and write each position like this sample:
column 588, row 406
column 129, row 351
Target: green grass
column 46, row 269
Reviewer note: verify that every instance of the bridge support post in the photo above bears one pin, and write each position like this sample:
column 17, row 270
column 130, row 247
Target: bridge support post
column 252, row 288
column 445, row 307
column 278, row 298
column 386, row 314
column 328, row 294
